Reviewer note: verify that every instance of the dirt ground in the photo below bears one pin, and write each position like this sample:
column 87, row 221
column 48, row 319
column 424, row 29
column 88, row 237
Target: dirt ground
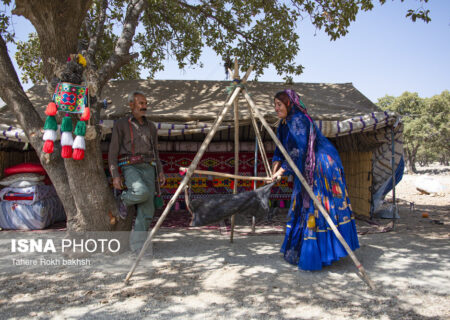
column 199, row 274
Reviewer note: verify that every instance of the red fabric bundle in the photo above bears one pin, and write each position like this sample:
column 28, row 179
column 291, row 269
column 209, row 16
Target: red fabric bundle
column 25, row 168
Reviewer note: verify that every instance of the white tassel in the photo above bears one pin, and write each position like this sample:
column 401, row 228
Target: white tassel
column 79, row 143
column 66, row 139
column 49, row 135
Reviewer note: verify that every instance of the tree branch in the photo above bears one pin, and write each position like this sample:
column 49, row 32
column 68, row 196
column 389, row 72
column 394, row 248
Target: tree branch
column 97, row 35
column 223, row 24
column 121, row 55
column 12, row 93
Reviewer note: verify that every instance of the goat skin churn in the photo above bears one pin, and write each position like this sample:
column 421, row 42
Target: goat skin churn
column 216, row 208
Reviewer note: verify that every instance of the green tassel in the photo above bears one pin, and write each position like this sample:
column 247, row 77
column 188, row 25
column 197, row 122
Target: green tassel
column 80, row 129
column 50, row 123
column 66, row 125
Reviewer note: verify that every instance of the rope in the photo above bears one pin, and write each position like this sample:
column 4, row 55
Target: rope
column 235, row 84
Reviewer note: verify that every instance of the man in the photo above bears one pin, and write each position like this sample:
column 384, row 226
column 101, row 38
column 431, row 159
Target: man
column 133, row 147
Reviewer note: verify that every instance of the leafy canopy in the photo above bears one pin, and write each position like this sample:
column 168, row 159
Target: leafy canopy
column 257, row 31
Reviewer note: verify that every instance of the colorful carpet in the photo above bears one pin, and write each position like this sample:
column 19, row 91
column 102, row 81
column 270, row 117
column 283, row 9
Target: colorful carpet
column 202, row 186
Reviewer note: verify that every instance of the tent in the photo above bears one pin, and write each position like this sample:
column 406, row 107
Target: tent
column 184, row 111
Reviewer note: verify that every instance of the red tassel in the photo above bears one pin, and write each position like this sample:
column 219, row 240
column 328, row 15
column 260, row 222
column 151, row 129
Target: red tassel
column 78, row 154
column 86, row 114
column 66, row 152
column 48, row 146
column 52, row 109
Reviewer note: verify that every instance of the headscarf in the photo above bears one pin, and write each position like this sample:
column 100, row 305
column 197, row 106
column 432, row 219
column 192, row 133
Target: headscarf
column 310, row 155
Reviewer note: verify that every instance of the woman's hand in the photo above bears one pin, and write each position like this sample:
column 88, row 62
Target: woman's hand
column 277, row 175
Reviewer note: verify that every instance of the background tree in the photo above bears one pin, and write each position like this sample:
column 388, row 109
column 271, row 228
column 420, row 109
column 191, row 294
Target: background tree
column 106, row 31
column 426, row 126
column 437, row 115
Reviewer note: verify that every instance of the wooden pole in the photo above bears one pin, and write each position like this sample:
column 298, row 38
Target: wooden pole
column 255, row 173
column 394, row 200
column 189, row 173
column 260, row 143
column 227, row 175
column 361, row 269
column 236, row 146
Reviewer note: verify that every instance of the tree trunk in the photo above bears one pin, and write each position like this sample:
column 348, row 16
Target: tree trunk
column 411, row 153
column 92, row 195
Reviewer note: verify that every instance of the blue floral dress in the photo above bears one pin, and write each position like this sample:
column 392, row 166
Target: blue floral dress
column 313, row 245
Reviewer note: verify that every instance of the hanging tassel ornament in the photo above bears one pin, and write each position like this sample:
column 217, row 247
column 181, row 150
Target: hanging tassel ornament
column 71, row 98
column 79, row 144
column 50, row 128
column 66, row 137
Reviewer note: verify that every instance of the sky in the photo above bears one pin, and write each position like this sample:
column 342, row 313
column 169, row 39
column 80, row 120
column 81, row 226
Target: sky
column 383, row 53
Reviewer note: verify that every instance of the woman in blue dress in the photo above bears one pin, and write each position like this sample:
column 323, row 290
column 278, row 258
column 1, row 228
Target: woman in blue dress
column 309, row 242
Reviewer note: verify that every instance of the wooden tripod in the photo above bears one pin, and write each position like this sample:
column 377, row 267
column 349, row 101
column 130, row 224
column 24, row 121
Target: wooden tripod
column 232, row 99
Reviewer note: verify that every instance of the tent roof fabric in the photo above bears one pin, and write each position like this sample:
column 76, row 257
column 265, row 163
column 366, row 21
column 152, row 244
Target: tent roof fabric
column 183, row 101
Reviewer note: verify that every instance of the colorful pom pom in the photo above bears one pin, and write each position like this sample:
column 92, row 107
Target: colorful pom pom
column 49, row 135
column 81, row 60
column 66, row 125
column 52, row 109
column 66, row 152
column 78, row 154
column 66, row 139
column 79, row 143
column 80, row 128
column 50, row 123
column 86, row 114
column 48, row 146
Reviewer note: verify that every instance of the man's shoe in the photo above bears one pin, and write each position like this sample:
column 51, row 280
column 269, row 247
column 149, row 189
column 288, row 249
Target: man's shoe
column 123, row 211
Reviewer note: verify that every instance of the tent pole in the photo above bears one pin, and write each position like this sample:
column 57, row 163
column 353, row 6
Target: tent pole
column 394, row 212
column 236, row 145
column 255, row 173
column 189, row 173
column 226, row 175
column 361, row 269
column 260, row 143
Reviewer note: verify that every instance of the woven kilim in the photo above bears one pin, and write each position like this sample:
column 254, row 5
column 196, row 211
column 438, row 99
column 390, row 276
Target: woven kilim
column 202, row 185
